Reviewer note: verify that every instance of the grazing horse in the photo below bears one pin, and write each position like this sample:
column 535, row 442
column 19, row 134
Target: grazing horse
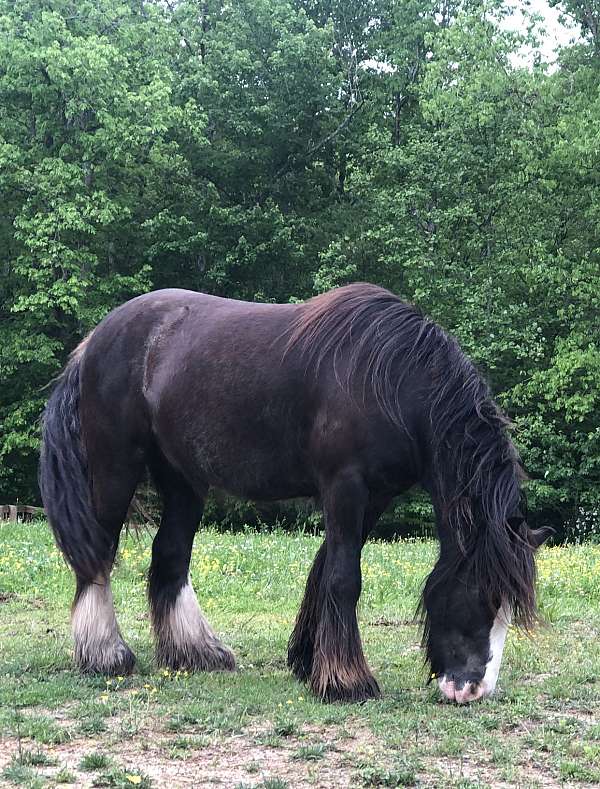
column 352, row 397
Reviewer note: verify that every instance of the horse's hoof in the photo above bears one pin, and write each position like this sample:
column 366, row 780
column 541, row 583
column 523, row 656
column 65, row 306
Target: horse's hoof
column 363, row 690
column 113, row 660
column 213, row 657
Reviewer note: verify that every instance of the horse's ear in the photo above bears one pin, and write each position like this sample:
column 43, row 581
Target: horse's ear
column 537, row 537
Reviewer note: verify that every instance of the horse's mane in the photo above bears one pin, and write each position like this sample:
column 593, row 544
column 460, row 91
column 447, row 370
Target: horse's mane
column 374, row 340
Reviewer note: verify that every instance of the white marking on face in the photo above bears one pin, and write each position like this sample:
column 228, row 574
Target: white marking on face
column 497, row 639
column 471, row 691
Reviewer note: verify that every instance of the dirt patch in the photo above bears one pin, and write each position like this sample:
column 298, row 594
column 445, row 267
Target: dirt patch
column 227, row 761
column 448, row 770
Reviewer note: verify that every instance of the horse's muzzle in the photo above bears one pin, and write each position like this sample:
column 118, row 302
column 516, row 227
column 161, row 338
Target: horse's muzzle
column 463, row 692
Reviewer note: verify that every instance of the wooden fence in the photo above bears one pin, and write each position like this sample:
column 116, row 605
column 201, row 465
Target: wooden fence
column 19, row 512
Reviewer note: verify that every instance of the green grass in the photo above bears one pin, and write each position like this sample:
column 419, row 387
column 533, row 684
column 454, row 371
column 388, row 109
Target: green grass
column 94, row 761
column 259, row 727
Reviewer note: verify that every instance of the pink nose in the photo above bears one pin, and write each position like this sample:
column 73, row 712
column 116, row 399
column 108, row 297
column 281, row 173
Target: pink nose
column 470, row 691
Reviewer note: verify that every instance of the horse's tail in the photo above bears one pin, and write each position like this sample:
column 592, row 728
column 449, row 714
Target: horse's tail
column 64, row 481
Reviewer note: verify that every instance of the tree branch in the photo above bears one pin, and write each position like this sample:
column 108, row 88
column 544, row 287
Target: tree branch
column 314, row 148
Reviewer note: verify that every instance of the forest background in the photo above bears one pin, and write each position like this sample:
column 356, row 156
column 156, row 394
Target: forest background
column 271, row 149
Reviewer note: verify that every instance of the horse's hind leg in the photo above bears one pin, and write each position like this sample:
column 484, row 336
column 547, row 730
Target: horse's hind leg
column 99, row 646
column 184, row 639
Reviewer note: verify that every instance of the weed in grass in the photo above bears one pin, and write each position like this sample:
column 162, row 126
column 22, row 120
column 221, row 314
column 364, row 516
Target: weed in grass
column 310, row 753
column 501, row 754
column 564, row 726
column 175, row 724
column 450, row 746
column 489, row 722
column 510, row 773
column 272, row 783
column 94, row 761
column 591, row 752
column 252, row 767
column 182, row 721
column 44, row 730
column 123, row 779
column 93, row 726
column 335, row 716
column 92, row 709
column 179, row 747
column 575, row 771
column 270, row 740
column 65, row 776
column 184, row 742
column 593, row 733
column 379, row 776
column 36, row 758
column 285, row 728
column 129, row 728
column 22, row 775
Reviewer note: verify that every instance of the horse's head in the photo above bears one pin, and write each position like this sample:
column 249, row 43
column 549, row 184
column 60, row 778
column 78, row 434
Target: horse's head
column 466, row 624
column 465, row 641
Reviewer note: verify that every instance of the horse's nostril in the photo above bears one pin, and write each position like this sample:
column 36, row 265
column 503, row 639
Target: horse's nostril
column 471, row 691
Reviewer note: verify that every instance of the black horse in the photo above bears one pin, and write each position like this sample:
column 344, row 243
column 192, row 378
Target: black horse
column 352, row 397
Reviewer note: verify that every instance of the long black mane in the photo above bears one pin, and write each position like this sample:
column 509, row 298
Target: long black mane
column 376, row 340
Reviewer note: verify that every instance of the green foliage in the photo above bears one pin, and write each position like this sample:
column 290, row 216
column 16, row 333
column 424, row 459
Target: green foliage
column 268, row 149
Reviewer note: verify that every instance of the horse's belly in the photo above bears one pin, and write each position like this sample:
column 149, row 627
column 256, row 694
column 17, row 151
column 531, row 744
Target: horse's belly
column 258, row 471
column 237, row 440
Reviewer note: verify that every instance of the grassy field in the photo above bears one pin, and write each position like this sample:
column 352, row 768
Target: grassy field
column 259, row 727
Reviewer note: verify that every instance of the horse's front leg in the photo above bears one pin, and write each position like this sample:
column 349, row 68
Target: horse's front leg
column 339, row 671
column 184, row 639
